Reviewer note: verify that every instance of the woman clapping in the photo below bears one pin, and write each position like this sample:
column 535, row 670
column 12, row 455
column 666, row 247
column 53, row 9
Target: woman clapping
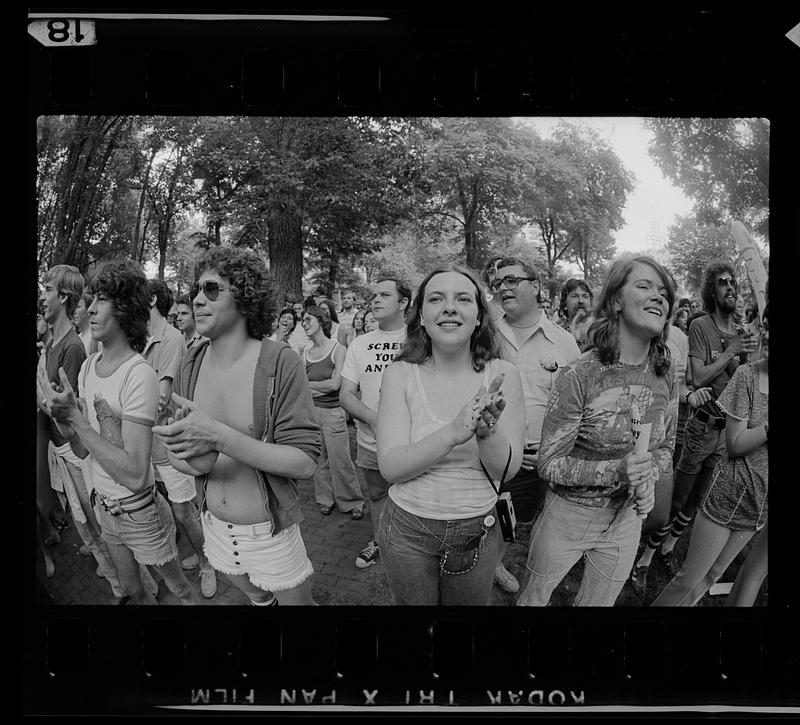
column 449, row 407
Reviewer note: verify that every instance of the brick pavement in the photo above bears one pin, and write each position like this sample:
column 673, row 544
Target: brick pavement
column 332, row 543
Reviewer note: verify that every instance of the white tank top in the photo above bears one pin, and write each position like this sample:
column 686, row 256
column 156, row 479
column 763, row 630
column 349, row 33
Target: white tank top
column 455, row 487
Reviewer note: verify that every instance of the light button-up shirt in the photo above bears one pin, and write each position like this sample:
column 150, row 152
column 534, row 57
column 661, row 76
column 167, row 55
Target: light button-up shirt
column 539, row 359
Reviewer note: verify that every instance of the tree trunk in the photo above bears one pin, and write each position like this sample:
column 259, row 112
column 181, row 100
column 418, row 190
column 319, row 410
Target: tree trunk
column 137, row 230
column 285, row 244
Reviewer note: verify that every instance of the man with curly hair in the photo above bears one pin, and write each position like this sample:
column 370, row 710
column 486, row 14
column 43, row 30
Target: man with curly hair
column 715, row 348
column 251, row 510
column 117, row 384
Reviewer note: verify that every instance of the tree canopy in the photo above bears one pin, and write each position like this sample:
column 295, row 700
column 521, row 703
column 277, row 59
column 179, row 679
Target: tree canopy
column 323, row 196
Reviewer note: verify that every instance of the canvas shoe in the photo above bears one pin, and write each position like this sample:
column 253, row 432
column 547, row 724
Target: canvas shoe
column 368, row 555
column 190, row 562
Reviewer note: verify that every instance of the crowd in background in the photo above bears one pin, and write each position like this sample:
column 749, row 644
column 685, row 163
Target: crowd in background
column 612, row 420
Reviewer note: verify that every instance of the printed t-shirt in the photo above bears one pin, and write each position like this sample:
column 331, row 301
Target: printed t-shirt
column 367, row 357
column 132, row 394
column 587, row 427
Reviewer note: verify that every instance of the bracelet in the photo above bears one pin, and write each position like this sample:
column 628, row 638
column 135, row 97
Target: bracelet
column 103, row 416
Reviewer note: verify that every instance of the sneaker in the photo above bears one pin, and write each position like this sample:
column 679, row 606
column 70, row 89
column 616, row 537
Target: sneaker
column 639, row 580
column 85, row 550
column 670, row 562
column 190, row 562
column 368, row 555
column 506, row 580
column 208, row 582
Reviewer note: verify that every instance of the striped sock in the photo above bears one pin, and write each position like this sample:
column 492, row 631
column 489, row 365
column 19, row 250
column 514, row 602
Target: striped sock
column 652, row 543
column 678, row 526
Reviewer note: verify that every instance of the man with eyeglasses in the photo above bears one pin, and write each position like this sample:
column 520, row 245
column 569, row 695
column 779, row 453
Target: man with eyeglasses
column 577, row 299
column 715, row 348
column 540, row 349
column 164, row 350
column 261, row 437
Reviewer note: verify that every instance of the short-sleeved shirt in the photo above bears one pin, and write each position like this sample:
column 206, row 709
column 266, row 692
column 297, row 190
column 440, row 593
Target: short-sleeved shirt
column 706, row 343
column 587, row 427
column 737, row 495
column 367, row 357
column 547, row 350
column 132, row 394
column 164, row 350
column 68, row 353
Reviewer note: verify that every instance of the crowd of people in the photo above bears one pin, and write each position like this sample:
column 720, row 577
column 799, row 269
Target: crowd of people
column 610, row 422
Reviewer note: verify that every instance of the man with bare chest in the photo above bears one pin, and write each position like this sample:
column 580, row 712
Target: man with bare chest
column 245, row 464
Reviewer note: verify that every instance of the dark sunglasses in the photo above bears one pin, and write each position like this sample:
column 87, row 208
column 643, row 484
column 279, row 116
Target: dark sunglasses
column 211, row 289
column 511, row 281
column 726, row 281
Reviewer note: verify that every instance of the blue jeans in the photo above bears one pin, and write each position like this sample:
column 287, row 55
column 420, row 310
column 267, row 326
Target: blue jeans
column 335, row 479
column 567, row 531
column 429, row 561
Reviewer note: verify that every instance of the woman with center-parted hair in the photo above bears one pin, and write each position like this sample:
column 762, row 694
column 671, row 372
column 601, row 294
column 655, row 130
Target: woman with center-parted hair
column 449, row 408
column 587, row 453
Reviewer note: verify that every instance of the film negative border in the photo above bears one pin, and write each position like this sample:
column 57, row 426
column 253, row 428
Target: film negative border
column 101, row 660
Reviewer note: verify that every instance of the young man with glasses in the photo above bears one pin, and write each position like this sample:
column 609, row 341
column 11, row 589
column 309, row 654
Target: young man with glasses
column 136, row 523
column 164, row 350
column 367, row 358
column 715, row 348
column 540, row 349
column 261, row 437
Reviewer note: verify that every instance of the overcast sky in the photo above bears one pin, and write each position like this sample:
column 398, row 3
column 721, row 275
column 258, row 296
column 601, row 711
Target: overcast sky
column 654, row 203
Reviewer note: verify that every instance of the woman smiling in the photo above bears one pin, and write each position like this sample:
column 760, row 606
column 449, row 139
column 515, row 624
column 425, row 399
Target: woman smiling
column 450, row 415
column 587, row 451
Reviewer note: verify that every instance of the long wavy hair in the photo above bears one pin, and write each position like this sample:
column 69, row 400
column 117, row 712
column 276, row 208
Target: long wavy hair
column 250, row 284
column 483, row 343
column 604, row 331
column 123, row 282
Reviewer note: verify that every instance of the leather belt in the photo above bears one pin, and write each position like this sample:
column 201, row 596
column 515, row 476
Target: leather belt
column 128, row 505
column 708, row 419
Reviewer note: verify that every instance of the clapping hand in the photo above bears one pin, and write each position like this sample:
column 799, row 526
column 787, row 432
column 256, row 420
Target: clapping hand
column 191, row 432
column 480, row 414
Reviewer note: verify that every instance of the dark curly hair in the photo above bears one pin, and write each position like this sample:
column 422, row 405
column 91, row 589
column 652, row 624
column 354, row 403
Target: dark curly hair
column 250, row 284
column 709, row 288
column 324, row 319
column 123, row 282
column 483, row 343
column 604, row 331
column 163, row 295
